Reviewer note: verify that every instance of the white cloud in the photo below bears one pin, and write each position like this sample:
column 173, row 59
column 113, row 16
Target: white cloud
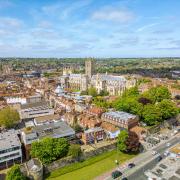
column 146, row 27
column 115, row 15
column 8, row 22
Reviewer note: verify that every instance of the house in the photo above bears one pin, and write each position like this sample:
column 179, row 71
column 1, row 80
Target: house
column 140, row 131
column 120, row 119
column 87, row 121
column 111, row 131
column 93, row 135
column 32, row 110
column 10, row 148
column 95, row 111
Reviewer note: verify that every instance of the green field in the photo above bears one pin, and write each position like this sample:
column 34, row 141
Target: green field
column 90, row 168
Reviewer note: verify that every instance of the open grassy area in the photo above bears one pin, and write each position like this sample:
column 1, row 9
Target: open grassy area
column 90, row 168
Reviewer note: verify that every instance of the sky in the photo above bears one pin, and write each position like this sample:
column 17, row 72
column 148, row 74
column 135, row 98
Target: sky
column 89, row 28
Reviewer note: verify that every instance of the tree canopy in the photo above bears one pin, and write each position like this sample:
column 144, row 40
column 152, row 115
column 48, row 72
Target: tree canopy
column 153, row 106
column 15, row 173
column 167, row 108
column 50, row 149
column 74, row 150
column 121, row 143
column 8, row 117
column 128, row 141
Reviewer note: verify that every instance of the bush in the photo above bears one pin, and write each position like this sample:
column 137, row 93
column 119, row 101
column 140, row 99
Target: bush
column 15, row 174
column 49, row 149
column 74, row 150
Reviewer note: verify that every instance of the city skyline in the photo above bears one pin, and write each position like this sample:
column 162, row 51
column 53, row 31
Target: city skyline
column 118, row 28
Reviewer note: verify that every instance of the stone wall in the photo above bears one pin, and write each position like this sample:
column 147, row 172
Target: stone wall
column 85, row 155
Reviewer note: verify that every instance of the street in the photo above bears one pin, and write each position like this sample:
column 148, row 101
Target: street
column 143, row 162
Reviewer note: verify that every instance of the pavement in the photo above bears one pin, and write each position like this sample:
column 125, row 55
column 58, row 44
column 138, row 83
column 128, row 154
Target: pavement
column 143, row 161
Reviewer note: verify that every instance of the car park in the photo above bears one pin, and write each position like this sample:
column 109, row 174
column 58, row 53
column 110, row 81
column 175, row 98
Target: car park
column 116, row 174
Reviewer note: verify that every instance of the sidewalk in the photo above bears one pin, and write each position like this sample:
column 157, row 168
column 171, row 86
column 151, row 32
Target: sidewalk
column 139, row 160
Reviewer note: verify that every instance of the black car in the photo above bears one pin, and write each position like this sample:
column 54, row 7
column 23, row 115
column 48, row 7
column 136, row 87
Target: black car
column 159, row 158
column 116, row 174
column 131, row 165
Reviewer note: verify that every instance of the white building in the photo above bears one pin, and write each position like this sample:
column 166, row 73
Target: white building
column 32, row 110
column 10, row 148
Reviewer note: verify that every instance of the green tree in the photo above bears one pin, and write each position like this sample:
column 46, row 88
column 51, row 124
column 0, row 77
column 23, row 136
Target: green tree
column 15, row 173
column 49, row 149
column 92, row 91
column 103, row 93
column 167, row 108
column 8, row 117
column 157, row 94
column 74, row 150
column 121, row 142
column 151, row 114
column 132, row 92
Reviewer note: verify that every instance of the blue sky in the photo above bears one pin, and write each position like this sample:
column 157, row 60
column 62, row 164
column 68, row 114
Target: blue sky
column 89, row 28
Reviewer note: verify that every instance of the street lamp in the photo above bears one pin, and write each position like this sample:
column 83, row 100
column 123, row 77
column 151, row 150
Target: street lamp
column 117, row 163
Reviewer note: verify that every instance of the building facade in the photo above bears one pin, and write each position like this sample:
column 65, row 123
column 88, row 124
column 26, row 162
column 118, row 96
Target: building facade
column 10, row 148
column 120, row 119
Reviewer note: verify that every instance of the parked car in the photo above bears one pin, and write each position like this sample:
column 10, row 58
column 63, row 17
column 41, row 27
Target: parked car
column 166, row 153
column 116, row 174
column 159, row 158
column 168, row 144
column 124, row 178
column 131, row 165
column 154, row 153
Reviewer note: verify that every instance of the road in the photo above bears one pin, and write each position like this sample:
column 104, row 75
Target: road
column 139, row 174
column 143, row 162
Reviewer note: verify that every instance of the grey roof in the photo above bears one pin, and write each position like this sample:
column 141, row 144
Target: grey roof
column 120, row 115
column 9, row 139
column 34, row 165
column 54, row 129
column 96, row 129
column 105, row 77
column 34, row 105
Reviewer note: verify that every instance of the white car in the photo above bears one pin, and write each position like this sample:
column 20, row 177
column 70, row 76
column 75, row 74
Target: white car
column 168, row 144
column 166, row 153
column 154, row 153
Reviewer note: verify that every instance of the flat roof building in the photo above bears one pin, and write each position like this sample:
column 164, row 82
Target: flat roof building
column 10, row 148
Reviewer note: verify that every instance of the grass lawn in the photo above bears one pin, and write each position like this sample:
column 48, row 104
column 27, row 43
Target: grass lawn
column 92, row 167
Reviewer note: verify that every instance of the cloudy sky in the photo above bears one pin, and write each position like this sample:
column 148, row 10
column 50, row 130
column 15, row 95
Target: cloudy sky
column 89, row 28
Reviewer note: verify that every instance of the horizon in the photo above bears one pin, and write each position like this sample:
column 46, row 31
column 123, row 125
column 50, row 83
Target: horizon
column 81, row 29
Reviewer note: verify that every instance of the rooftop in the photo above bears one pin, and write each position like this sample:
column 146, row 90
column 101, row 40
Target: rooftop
column 34, row 105
column 9, row 140
column 96, row 129
column 47, row 118
column 120, row 115
column 54, row 129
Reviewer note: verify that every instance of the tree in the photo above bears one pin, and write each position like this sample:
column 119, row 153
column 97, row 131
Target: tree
column 49, row 149
column 167, row 108
column 132, row 142
column 177, row 97
column 74, row 150
column 15, row 173
column 157, row 94
column 128, row 141
column 78, row 128
column 121, row 143
column 151, row 114
column 132, row 92
column 103, row 93
column 8, row 117
column 92, row 91
column 144, row 101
